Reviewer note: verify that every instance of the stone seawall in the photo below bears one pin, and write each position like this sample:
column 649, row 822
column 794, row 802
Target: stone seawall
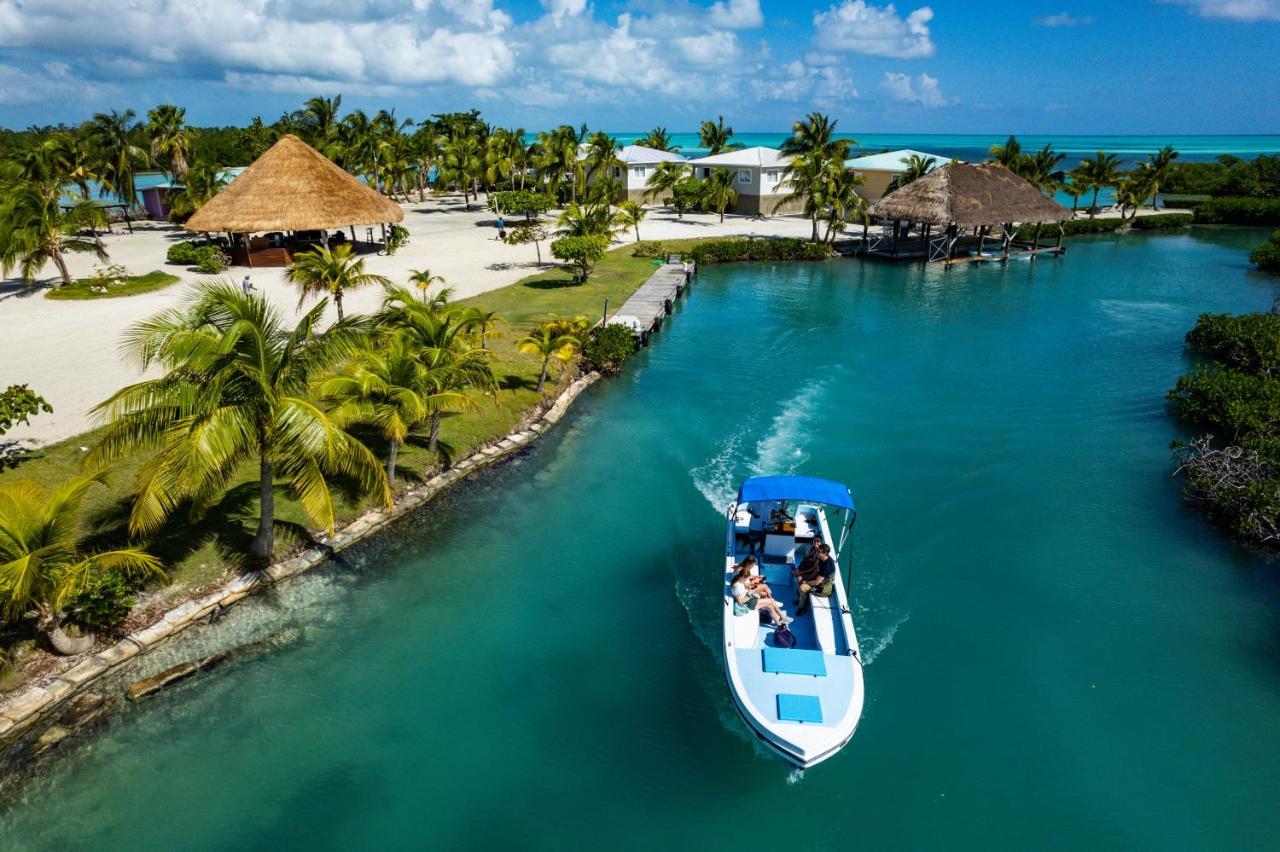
column 24, row 714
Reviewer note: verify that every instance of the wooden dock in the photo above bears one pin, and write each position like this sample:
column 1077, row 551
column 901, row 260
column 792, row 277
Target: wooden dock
column 644, row 311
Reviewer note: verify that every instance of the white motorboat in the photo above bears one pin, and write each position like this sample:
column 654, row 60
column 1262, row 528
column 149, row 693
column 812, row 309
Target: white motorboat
column 803, row 702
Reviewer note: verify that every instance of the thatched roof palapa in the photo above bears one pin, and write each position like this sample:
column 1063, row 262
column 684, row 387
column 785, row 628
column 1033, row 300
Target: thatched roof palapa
column 293, row 187
column 970, row 196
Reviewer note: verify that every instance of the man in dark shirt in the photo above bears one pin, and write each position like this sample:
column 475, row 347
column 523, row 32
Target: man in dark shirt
column 815, row 576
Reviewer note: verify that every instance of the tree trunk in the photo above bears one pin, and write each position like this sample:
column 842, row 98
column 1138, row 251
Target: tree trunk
column 391, row 463
column 538, row 249
column 68, row 646
column 337, row 303
column 264, row 542
column 435, row 431
column 542, row 379
column 637, row 232
column 1093, row 208
column 59, row 262
column 813, row 238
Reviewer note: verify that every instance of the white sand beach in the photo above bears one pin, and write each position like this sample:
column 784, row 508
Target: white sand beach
column 67, row 351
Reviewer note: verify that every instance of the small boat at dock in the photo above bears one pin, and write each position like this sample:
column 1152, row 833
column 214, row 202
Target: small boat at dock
column 801, row 694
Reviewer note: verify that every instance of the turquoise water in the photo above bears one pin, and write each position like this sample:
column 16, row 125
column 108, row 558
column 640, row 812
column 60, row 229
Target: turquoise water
column 1059, row 652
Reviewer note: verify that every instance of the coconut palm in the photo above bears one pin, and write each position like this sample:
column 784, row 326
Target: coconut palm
column 592, row 218
column 483, row 324
column 112, row 139
column 1102, row 170
column 720, row 193
column 809, row 176
column 42, row 566
column 1041, row 169
column 1132, row 189
column 1075, row 185
column 321, row 118
column 815, row 133
column 170, row 139
column 1157, row 169
column 236, row 388
column 202, row 183
column 714, row 136
column 916, row 168
column 462, row 164
column 330, row 272
column 442, row 337
column 657, row 139
column 38, row 223
column 1008, row 155
column 60, row 158
column 840, row 202
column 630, row 215
column 551, row 341
column 601, row 155
column 426, row 150
column 664, row 179
column 424, row 280
column 389, row 387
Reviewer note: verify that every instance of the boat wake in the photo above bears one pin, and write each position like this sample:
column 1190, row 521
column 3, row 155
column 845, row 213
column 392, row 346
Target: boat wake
column 873, row 646
column 781, row 451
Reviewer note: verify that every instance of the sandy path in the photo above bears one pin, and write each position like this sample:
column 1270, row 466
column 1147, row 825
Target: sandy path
column 69, row 351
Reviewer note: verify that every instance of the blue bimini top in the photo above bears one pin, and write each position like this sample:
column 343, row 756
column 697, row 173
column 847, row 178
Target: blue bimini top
column 759, row 489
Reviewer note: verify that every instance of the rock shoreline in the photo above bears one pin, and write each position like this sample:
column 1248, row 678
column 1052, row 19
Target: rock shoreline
column 22, row 717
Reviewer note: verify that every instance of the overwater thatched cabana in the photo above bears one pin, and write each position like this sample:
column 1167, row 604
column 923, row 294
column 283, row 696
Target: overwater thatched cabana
column 296, row 195
column 959, row 207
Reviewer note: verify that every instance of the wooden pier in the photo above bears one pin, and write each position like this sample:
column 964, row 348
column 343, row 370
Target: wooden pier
column 644, row 311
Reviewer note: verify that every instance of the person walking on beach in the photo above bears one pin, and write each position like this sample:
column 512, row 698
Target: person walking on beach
column 502, row 227
column 247, row 284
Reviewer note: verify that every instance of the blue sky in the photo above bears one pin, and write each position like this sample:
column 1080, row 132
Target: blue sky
column 1150, row 66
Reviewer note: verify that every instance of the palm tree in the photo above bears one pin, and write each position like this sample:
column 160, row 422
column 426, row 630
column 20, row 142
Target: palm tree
column 1008, row 155
column 41, row 564
column 809, row 176
column 170, row 138
column 714, row 136
column 461, row 164
column 720, row 193
column 483, row 324
column 111, row 137
column 235, row 388
column 1076, row 184
column 601, row 154
column 59, row 158
column 630, row 215
column 38, row 222
column 1041, row 169
column 387, row 386
column 1132, row 189
column 424, row 281
column 664, row 179
column 441, row 334
column 816, row 134
column 321, row 117
column 550, row 341
column 657, row 139
column 841, row 203
column 330, row 272
column 1102, row 170
column 1157, row 169
column 593, row 218
column 202, row 183
column 916, row 168
column 426, row 150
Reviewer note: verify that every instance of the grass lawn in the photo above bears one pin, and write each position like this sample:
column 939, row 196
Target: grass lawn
column 197, row 550
column 133, row 284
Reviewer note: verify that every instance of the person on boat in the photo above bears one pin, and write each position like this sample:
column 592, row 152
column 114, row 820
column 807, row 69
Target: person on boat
column 815, row 577
column 754, row 582
column 744, row 602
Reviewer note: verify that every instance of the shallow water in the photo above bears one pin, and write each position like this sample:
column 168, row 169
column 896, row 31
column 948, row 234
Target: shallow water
column 1060, row 652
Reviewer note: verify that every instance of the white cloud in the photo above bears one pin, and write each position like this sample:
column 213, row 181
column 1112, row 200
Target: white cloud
column 922, row 89
column 52, row 80
column 1063, row 19
column 564, row 8
column 827, row 87
column 713, row 48
column 373, row 43
column 857, row 27
column 1234, row 10
column 736, row 14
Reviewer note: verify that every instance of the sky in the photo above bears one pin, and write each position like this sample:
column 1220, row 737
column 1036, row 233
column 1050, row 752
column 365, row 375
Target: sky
column 1025, row 66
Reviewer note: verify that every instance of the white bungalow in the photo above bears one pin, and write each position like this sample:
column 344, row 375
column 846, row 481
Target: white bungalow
column 879, row 170
column 636, row 165
column 758, row 177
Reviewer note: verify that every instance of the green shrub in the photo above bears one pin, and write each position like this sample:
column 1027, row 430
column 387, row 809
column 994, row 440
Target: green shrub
column 105, row 601
column 1163, row 221
column 649, row 248
column 1248, row 342
column 211, row 260
column 1236, row 405
column 183, row 253
column 608, row 348
column 1267, row 256
column 1239, row 211
column 523, row 201
column 397, row 238
column 582, row 252
column 17, row 404
column 758, row 248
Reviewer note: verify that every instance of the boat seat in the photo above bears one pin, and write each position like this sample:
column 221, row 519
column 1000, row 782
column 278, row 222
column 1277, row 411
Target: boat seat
column 824, row 621
column 799, row 708
column 797, row 661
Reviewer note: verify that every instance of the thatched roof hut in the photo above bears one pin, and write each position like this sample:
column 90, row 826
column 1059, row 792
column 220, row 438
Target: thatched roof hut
column 293, row 187
column 969, row 196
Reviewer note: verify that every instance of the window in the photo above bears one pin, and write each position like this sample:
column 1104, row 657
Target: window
column 744, row 176
column 637, row 171
column 617, row 172
column 771, row 176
